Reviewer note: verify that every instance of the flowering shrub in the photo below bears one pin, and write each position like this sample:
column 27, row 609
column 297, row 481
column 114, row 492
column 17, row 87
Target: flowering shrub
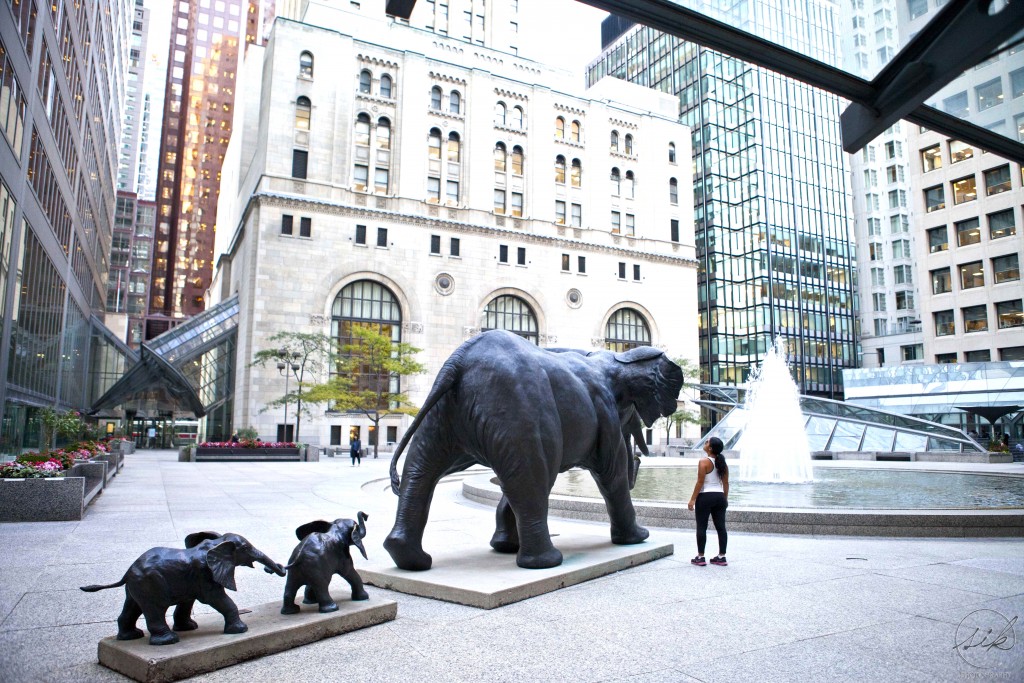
column 248, row 443
column 32, row 470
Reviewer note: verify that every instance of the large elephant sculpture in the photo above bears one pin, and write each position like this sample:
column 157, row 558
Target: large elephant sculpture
column 322, row 552
column 162, row 577
column 529, row 413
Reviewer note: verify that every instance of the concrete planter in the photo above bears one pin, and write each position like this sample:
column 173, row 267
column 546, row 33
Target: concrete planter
column 58, row 499
column 247, row 454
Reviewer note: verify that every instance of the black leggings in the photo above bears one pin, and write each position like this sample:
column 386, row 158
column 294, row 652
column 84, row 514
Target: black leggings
column 713, row 504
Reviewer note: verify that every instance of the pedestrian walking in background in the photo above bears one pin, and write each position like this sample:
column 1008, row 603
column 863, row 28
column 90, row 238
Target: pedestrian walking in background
column 356, row 451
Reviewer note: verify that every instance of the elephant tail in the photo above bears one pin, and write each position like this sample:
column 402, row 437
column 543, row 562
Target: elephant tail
column 443, row 383
column 96, row 587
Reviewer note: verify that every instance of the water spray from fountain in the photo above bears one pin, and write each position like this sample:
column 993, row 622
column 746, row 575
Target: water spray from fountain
column 773, row 447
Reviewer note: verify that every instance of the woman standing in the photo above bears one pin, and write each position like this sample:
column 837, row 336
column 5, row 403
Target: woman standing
column 711, row 498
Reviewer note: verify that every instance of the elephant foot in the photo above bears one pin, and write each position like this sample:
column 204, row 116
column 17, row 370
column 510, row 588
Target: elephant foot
column 310, row 601
column 360, row 595
column 133, row 634
column 545, row 560
column 290, row 609
column 637, row 535
column 406, row 557
column 504, row 543
column 168, row 638
column 189, row 625
column 237, row 627
column 328, row 607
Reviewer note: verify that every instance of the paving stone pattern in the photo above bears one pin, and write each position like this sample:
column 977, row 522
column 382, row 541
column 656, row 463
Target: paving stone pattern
column 788, row 607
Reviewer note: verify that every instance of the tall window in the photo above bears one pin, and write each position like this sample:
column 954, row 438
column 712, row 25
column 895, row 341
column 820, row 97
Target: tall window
column 673, row 191
column 616, row 182
column 510, row 313
column 367, row 304
column 435, row 98
column 385, row 86
column 500, row 157
column 499, row 114
column 577, row 173
column 383, row 134
column 615, row 141
column 626, row 329
column 517, row 160
column 671, row 152
column 454, row 102
column 434, row 144
column 454, row 148
column 628, row 147
column 306, row 65
column 303, row 110
column 559, row 128
column 517, row 118
column 362, row 136
column 560, row 169
column 300, row 158
column 365, row 82
column 575, row 131
column 630, row 185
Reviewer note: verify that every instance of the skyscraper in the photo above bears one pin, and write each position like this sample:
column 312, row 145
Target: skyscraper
column 63, row 69
column 206, row 40
column 131, row 129
column 770, row 194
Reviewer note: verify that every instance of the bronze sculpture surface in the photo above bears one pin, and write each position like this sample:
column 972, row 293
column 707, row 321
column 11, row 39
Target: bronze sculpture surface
column 322, row 552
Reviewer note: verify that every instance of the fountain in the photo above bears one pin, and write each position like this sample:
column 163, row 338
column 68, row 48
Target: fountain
column 773, row 447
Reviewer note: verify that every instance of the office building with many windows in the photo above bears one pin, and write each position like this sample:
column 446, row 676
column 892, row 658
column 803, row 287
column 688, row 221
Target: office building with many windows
column 771, row 206
column 401, row 179
column 63, row 70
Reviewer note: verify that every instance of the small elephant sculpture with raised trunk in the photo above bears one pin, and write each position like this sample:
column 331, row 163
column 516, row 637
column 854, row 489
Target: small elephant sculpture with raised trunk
column 323, row 551
column 162, row 577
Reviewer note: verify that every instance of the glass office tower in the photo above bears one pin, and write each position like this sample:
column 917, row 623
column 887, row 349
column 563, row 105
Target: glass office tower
column 771, row 206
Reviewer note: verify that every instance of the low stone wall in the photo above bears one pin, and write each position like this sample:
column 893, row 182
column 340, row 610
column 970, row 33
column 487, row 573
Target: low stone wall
column 247, row 454
column 56, row 499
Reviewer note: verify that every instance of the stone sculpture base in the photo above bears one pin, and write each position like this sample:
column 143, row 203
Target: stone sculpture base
column 488, row 579
column 208, row 648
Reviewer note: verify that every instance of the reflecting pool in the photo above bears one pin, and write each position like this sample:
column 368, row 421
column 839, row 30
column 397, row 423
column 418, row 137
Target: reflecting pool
column 832, row 488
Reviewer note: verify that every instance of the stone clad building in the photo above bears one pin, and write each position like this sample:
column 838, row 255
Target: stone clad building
column 439, row 188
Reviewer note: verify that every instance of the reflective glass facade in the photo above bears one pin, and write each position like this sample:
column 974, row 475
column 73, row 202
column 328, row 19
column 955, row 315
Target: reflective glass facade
column 770, row 195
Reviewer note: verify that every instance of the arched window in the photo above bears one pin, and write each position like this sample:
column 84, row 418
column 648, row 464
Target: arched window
column 500, row 154
column 560, row 128
column 383, row 134
column 577, row 173
column 363, row 129
column 454, row 102
column 435, row 98
column 615, row 141
column 306, row 64
column 365, row 79
column 671, row 152
column 560, row 169
column 626, row 329
column 616, row 182
column 575, row 131
column 385, row 86
column 629, row 144
column 434, row 144
column 454, row 147
column 630, row 185
column 370, row 305
column 673, row 191
column 499, row 114
column 517, row 118
column 510, row 313
column 517, row 160
column 303, row 110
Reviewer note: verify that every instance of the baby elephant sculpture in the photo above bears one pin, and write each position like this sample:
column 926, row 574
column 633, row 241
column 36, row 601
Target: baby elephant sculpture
column 529, row 413
column 162, row 577
column 322, row 553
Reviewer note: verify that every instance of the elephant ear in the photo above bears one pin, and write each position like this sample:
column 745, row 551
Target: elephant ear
column 192, row 540
column 638, row 353
column 317, row 527
column 220, row 560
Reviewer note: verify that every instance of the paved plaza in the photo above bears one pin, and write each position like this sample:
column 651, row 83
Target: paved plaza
column 786, row 608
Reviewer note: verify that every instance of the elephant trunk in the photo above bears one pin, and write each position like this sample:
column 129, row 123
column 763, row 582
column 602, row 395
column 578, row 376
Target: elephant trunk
column 359, row 532
column 269, row 566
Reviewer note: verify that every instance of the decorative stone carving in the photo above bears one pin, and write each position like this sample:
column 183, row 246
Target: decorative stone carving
column 444, row 284
column 574, row 298
column 597, row 342
column 317, row 319
column 412, row 327
column 468, row 332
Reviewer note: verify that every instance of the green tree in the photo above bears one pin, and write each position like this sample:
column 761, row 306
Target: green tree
column 66, row 424
column 303, row 357
column 683, row 416
column 364, row 377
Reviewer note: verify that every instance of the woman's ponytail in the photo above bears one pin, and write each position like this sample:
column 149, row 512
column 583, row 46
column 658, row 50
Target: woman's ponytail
column 717, row 447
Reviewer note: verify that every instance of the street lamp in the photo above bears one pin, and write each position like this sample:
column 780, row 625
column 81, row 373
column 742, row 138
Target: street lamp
column 288, row 367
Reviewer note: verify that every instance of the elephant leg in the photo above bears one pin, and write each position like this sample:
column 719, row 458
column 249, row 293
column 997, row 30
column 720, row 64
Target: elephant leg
column 291, row 587
column 424, row 467
column 506, row 535
column 625, row 530
column 130, row 613
column 226, row 606
column 528, row 498
column 156, row 623
column 322, row 591
column 309, row 597
column 183, row 616
column 349, row 573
